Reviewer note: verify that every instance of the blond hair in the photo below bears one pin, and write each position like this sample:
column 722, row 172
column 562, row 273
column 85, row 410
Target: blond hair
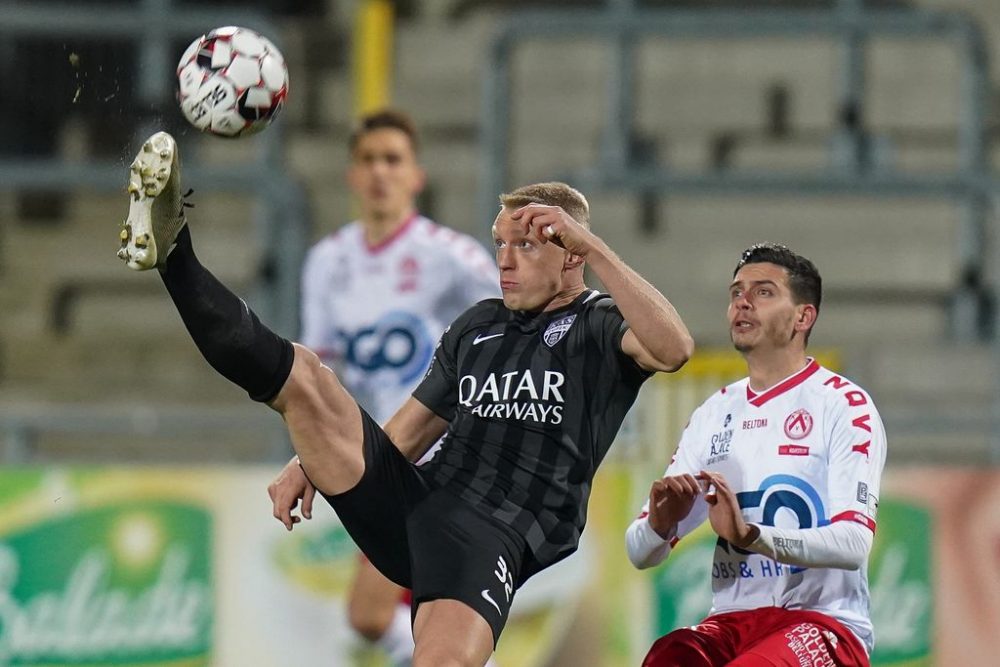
column 553, row 193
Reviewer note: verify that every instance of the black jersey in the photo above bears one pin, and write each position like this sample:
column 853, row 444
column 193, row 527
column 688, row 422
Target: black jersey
column 534, row 401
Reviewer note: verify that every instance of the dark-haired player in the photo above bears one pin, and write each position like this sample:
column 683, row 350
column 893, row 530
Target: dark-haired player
column 785, row 464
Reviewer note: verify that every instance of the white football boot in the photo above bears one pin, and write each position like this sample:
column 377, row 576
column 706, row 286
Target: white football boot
column 156, row 208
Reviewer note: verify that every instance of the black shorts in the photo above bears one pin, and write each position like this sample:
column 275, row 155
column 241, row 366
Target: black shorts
column 426, row 538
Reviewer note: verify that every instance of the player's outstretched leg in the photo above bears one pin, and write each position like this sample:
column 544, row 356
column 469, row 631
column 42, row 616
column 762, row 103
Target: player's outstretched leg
column 229, row 335
column 155, row 213
column 323, row 419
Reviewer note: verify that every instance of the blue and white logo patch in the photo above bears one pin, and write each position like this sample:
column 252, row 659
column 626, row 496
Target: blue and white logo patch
column 556, row 330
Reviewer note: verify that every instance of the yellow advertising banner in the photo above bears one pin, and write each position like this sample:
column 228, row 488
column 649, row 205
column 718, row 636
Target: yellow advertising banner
column 187, row 567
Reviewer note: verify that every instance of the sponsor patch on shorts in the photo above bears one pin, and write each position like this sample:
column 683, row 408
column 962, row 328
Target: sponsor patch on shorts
column 806, row 641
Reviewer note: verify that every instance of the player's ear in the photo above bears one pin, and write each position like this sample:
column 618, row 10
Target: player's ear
column 805, row 317
column 572, row 261
column 420, row 180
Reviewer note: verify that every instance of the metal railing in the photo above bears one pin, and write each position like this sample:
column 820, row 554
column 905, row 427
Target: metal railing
column 621, row 24
column 971, row 184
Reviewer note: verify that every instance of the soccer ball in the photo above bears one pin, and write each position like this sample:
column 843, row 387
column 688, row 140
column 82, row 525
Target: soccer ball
column 233, row 82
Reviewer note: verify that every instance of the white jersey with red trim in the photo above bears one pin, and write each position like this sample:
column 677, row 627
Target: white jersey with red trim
column 376, row 313
column 804, row 454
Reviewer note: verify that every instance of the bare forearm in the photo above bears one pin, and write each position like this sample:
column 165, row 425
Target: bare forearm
column 651, row 317
column 414, row 429
column 412, row 445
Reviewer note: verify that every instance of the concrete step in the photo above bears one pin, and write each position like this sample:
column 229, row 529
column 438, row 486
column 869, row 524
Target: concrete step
column 163, row 365
column 439, row 68
column 142, row 432
column 855, row 243
column 928, row 373
column 710, row 85
column 913, row 84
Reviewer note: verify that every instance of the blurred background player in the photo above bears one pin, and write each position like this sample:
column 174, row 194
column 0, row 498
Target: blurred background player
column 786, row 465
column 376, row 296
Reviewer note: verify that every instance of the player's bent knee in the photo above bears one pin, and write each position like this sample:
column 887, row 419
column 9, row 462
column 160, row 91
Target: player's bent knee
column 324, row 423
column 368, row 619
column 311, row 385
column 314, row 394
column 444, row 656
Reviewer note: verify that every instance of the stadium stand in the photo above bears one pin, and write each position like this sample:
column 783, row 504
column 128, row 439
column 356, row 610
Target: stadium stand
column 71, row 332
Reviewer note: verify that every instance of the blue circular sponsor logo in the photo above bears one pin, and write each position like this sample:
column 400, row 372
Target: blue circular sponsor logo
column 397, row 342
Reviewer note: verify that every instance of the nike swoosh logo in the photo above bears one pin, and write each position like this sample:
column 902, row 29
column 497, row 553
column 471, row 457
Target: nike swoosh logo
column 479, row 339
column 489, row 598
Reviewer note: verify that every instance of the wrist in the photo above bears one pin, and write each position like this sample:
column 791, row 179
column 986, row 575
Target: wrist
column 599, row 253
column 665, row 532
column 750, row 535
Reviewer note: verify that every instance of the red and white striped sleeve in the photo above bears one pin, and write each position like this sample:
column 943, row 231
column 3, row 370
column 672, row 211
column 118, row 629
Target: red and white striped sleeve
column 857, row 451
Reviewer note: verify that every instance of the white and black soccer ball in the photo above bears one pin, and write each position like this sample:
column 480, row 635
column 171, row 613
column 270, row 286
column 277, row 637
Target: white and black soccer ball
column 232, row 82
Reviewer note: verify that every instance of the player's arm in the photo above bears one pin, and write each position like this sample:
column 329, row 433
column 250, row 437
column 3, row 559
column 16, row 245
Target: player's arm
column 652, row 535
column 840, row 545
column 674, row 508
column 288, row 488
column 657, row 338
column 414, row 428
column 843, row 546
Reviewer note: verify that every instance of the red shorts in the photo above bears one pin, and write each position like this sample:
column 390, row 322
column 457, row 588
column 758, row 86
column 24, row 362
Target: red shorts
column 767, row 637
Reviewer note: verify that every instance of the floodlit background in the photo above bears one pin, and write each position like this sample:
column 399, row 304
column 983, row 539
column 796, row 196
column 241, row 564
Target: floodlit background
column 133, row 516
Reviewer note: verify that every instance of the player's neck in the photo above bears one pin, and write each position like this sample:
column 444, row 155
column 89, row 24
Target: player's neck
column 378, row 228
column 565, row 296
column 769, row 367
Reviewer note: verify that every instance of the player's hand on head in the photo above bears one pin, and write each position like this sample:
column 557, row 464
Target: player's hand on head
column 288, row 488
column 670, row 501
column 724, row 510
column 553, row 224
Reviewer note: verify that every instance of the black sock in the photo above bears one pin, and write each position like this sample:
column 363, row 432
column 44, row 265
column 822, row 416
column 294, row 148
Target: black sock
column 228, row 334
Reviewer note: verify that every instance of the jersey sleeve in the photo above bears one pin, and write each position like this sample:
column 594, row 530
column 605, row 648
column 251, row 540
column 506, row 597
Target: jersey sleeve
column 857, row 454
column 316, row 320
column 844, row 545
column 439, row 388
column 646, row 548
column 608, row 327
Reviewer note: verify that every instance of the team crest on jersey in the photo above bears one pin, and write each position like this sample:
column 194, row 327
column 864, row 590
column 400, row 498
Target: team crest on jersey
column 408, row 272
column 555, row 331
column 799, row 424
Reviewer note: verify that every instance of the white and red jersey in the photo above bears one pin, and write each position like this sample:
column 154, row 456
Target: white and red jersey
column 806, row 453
column 376, row 312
